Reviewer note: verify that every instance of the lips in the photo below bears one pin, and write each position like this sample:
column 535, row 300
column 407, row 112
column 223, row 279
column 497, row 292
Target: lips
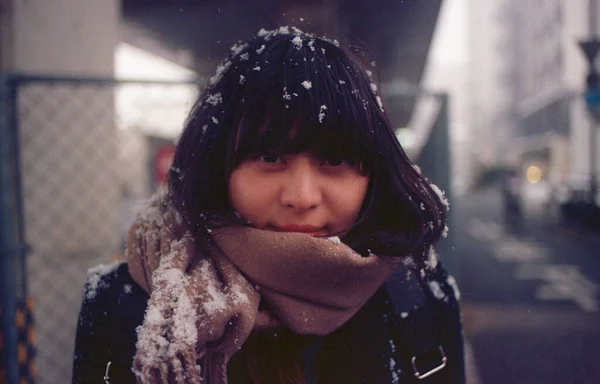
column 308, row 229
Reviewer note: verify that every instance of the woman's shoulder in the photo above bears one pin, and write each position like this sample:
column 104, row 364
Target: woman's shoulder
column 426, row 319
column 429, row 288
column 440, row 283
column 414, row 313
column 113, row 306
column 112, row 300
column 107, row 281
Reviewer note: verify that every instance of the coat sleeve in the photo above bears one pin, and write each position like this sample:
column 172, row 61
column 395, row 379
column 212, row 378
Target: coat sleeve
column 93, row 338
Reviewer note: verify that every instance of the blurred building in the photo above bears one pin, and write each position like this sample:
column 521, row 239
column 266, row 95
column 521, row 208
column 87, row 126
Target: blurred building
column 446, row 71
column 489, row 97
column 527, row 80
column 549, row 72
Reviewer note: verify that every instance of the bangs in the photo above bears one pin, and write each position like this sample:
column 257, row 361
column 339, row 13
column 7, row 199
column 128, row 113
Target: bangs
column 312, row 100
column 290, row 133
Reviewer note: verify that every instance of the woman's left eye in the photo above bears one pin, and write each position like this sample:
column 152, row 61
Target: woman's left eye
column 269, row 158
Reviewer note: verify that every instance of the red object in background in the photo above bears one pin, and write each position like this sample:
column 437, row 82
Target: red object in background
column 163, row 161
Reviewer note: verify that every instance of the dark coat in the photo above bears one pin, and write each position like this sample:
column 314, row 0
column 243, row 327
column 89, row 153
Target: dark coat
column 410, row 315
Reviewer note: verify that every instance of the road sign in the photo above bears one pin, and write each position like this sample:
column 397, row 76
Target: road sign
column 592, row 98
column 163, row 161
column 590, row 49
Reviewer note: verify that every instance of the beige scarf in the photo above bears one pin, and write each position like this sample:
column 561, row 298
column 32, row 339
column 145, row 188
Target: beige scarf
column 205, row 303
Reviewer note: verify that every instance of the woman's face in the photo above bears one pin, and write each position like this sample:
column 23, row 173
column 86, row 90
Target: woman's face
column 298, row 193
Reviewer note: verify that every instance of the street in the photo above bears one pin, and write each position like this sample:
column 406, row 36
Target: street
column 530, row 292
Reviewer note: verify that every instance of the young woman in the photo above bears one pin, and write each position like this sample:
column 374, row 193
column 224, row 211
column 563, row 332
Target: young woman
column 294, row 243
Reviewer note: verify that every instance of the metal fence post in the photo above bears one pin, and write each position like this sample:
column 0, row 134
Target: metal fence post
column 10, row 243
column 443, row 166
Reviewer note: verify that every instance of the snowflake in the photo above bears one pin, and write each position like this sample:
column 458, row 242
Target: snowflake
column 322, row 113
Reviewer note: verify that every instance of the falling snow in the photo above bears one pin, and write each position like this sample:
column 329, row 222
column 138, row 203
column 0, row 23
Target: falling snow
column 221, row 69
column 169, row 298
column 237, row 48
column 436, row 289
column 452, row 282
column 322, row 113
column 445, row 232
column 297, row 41
column 280, row 31
column 379, row 103
column 95, row 278
column 432, row 259
column 286, row 95
column 441, row 195
column 214, row 99
column 395, row 370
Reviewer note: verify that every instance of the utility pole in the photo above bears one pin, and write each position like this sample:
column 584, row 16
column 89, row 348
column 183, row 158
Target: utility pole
column 9, row 236
column 590, row 48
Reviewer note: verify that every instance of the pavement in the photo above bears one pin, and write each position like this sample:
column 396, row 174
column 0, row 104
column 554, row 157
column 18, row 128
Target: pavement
column 530, row 292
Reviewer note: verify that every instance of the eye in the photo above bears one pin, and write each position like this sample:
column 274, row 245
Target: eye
column 334, row 162
column 269, row 158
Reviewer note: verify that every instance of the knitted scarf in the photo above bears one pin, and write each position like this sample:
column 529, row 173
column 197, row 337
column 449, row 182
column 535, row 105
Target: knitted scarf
column 204, row 302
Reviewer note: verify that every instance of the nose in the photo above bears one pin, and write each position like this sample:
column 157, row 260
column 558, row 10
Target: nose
column 301, row 191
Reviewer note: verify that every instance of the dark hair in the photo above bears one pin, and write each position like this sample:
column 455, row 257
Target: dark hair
column 289, row 91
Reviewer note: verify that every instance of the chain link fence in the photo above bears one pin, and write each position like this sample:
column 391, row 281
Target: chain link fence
column 89, row 150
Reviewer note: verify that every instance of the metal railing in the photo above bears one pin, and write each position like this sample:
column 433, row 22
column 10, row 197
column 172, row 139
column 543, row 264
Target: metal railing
column 75, row 153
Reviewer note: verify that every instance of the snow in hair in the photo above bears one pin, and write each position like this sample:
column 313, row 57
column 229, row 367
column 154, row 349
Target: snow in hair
column 298, row 39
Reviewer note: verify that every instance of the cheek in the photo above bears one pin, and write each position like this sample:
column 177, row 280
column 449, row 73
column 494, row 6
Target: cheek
column 238, row 195
column 246, row 195
column 352, row 195
column 361, row 192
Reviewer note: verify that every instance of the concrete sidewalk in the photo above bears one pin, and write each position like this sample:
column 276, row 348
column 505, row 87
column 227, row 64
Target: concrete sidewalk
column 533, row 345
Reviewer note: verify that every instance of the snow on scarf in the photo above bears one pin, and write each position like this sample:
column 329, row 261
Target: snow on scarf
column 204, row 305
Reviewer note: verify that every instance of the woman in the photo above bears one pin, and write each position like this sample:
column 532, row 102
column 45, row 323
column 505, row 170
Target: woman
column 294, row 243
